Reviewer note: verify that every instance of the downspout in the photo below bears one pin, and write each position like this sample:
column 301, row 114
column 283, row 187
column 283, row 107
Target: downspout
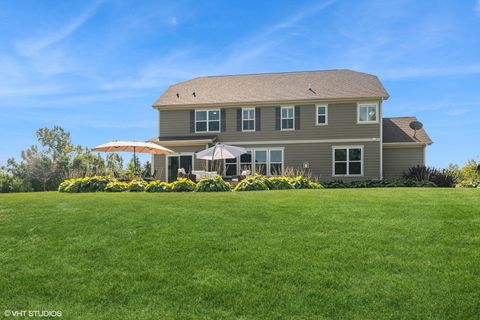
column 381, row 138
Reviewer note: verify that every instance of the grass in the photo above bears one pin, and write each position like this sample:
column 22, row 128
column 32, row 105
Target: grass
column 306, row 254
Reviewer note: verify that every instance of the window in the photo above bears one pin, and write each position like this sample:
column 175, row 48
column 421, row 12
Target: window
column 248, row 119
column 231, row 167
column 276, row 162
column 348, row 161
column 207, row 121
column 322, row 115
column 288, row 118
column 246, row 162
column 367, row 113
column 261, row 162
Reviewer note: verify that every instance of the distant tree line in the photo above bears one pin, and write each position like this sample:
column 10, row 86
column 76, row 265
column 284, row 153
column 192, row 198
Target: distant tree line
column 44, row 166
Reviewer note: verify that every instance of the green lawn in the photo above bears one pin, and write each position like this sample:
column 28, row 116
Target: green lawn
column 306, row 254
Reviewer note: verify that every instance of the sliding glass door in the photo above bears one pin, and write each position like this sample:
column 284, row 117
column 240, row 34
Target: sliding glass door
column 176, row 162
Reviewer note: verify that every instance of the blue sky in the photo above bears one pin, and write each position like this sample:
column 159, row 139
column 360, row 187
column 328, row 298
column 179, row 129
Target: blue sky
column 96, row 67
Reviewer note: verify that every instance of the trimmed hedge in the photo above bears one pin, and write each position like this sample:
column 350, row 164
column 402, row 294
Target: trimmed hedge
column 334, row 184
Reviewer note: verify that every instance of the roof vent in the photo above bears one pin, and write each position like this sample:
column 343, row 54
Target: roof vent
column 194, row 94
column 310, row 88
column 178, row 95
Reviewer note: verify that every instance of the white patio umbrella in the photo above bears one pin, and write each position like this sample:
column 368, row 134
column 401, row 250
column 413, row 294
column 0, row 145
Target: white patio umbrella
column 132, row 146
column 220, row 151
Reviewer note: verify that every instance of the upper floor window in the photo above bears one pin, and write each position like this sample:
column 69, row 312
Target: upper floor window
column 322, row 115
column 288, row 118
column 348, row 161
column 248, row 119
column 367, row 113
column 207, row 121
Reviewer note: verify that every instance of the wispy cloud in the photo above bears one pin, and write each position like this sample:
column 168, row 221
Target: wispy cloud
column 251, row 48
column 477, row 7
column 32, row 46
column 457, row 112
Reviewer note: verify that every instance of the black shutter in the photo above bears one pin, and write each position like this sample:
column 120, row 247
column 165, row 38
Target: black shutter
column 278, row 124
column 223, row 117
column 239, row 119
column 258, row 121
column 192, row 121
column 297, row 118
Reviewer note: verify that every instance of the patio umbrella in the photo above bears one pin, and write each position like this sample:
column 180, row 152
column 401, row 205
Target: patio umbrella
column 132, row 146
column 220, row 151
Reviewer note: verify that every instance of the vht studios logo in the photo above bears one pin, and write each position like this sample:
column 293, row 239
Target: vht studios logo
column 33, row 313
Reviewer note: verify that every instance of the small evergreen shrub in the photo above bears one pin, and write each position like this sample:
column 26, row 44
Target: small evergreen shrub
column 216, row 184
column 116, row 186
column 182, row 185
column 137, row 186
column 280, row 183
column 157, row 186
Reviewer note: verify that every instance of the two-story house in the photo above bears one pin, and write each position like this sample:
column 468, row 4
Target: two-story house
column 327, row 122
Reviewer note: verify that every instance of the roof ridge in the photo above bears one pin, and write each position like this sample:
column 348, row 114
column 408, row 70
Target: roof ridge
column 399, row 117
column 278, row 72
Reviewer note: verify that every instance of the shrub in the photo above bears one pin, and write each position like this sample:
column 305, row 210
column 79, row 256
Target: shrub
column 216, row 184
column 116, row 186
column 254, row 183
column 98, row 183
column 469, row 184
column 442, row 178
column 87, row 184
column 280, row 183
column 182, row 185
column 377, row 184
column 157, row 186
column 137, row 186
column 304, row 183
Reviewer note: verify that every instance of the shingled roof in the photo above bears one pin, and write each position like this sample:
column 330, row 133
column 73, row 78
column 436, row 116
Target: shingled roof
column 266, row 87
column 397, row 130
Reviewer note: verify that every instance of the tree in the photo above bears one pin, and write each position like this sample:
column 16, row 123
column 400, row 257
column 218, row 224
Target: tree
column 114, row 163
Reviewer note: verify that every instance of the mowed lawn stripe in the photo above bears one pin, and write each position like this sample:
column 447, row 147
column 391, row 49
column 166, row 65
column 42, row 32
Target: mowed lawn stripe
column 298, row 254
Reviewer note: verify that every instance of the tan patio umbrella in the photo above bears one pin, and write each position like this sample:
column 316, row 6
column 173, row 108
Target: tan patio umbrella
column 132, row 146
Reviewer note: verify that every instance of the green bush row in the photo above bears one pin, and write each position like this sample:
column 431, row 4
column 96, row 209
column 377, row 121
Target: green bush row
column 217, row 184
column 378, row 184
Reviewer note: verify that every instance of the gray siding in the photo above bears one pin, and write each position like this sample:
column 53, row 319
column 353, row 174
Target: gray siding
column 397, row 160
column 318, row 155
column 342, row 124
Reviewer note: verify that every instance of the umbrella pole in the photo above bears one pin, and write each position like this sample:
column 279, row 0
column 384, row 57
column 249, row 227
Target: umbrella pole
column 134, row 162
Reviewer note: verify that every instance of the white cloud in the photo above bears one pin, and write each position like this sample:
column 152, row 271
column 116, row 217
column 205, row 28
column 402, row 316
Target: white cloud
column 31, row 47
column 457, row 112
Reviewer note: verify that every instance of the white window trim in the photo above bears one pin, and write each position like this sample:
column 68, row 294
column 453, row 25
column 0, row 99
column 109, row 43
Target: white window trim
column 254, row 120
column 326, row 114
column 347, row 161
column 253, row 163
column 367, row 104
column 270, row 162
column 281, row 118
column 219, row 120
